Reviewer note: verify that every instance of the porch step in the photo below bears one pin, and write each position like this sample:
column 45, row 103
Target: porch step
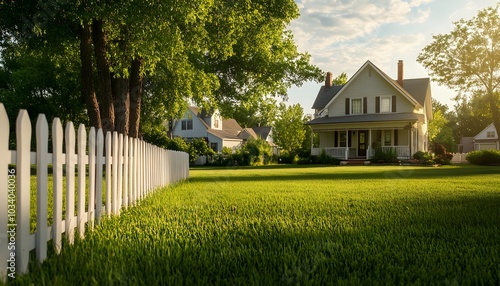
column 356, row 162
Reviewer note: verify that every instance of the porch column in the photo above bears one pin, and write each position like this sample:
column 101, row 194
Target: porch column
column 346, row 144
column 369, row 148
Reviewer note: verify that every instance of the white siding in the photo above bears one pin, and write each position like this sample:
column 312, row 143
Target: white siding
column 368, row 84
column 483, row 135
column 199, row 129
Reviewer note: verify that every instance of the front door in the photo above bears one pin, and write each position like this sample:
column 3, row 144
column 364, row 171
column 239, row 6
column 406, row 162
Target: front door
column 362, row 143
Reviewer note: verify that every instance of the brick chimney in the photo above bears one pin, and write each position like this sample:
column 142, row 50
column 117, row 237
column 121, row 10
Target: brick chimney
column 328, row 80
column 400, row 72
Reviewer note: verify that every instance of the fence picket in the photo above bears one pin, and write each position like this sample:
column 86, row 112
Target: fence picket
column 23, row 139
column 98, row 182
column 92, row 178
column 134, row 169
column 119, row 174
column 57, row 171
column 42, row 138
column 70, row 181
column 125, row 171
column 108, row 173
column 4, row 191
column 82, row 148
column 114, row 168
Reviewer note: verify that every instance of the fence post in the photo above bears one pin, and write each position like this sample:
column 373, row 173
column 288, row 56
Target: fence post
column 42, row 138
column 4, row 191
column 120, row 174
column 125, row 178
column 70, row 181
column 23, row 140
column 98, row 184
column 108, row 173
column 57, row 171
column 82, row 175
column 114, row 165
column 92, row 179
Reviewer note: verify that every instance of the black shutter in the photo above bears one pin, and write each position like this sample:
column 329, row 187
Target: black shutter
column 349, row 138
column 347, row 107
column 335, row 138
column 365, row 105
column 396, row 137
column 377, row 104
column 393, row 103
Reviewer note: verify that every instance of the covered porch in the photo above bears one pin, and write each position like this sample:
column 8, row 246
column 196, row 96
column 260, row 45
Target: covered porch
column 360, row 143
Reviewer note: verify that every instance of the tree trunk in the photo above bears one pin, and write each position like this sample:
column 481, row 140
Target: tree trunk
column 87, row 78
column 105, row 94
column 121, row 97
column 135, row 97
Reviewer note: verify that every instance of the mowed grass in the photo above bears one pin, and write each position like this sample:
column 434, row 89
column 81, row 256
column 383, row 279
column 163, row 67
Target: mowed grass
column 297, row 225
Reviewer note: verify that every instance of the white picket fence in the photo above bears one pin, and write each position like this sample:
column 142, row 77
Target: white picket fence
column 133, row 169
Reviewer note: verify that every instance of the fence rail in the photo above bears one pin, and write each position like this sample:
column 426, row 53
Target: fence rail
column 131, row 168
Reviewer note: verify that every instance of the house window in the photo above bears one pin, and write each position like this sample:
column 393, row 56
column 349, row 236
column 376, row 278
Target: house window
column 356, row 106
column 216, row 123
column 342, row 139
column 385, row 104
column 213, row 146
column 490, row 134
column 387, row 138
column 187, row 124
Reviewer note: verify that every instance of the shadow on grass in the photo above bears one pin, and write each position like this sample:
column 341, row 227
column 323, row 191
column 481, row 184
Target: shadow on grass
column 348, row 173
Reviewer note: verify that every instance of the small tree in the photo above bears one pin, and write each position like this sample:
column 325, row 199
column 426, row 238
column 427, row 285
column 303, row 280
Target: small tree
column 289, row 130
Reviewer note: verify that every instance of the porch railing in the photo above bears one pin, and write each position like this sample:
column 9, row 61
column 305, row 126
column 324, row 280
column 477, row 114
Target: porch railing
column 403, row 152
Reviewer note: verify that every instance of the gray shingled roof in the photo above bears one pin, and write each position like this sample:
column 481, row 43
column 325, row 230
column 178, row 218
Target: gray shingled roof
column 368, row 118
column 325, row 95
column 262, row 131
column 417, row 87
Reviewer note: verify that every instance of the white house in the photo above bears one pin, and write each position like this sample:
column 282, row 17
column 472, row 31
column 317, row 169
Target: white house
column 372, row 110
column 217, row 131
column 487, row 139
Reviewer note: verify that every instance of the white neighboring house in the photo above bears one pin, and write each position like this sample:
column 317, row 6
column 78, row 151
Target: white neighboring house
column 487, row 139
column 218, row 132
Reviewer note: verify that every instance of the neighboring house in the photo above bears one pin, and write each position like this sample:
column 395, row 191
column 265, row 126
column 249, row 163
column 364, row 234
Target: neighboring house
column 466, row 145
column 217, row 131
column 372, row 110
column 487, row 139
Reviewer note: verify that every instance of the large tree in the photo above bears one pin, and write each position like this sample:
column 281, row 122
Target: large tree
column 165, row 54
column 468, row 58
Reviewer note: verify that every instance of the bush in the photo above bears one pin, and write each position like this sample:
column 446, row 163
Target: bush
column 439, row 149
column 444, row 159
column 484, row 157
column 381, row 156
column 422, row 156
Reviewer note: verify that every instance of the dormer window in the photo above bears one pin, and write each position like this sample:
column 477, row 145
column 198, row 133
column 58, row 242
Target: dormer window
column 216, row 123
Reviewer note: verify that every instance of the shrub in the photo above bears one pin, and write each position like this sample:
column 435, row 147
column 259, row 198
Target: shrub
column 439, row 149
column 389, row 156
column 444, row 159
column 422, row 156
column 484, row 157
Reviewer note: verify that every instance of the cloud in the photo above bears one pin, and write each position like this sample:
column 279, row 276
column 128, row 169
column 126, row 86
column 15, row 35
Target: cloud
column 341, row 32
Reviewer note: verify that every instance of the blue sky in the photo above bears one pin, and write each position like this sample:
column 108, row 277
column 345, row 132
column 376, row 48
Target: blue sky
column 341, row 35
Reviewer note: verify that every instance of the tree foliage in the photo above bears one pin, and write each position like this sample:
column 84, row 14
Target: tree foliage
column 289, row 130
column 468, row 58
column 145, row 60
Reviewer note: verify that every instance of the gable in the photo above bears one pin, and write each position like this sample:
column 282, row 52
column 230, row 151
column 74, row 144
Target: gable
column 489, row 130
column 370, row 84
column 199, row 127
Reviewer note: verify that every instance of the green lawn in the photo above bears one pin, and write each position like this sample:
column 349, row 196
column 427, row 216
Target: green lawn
column 298, row 225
